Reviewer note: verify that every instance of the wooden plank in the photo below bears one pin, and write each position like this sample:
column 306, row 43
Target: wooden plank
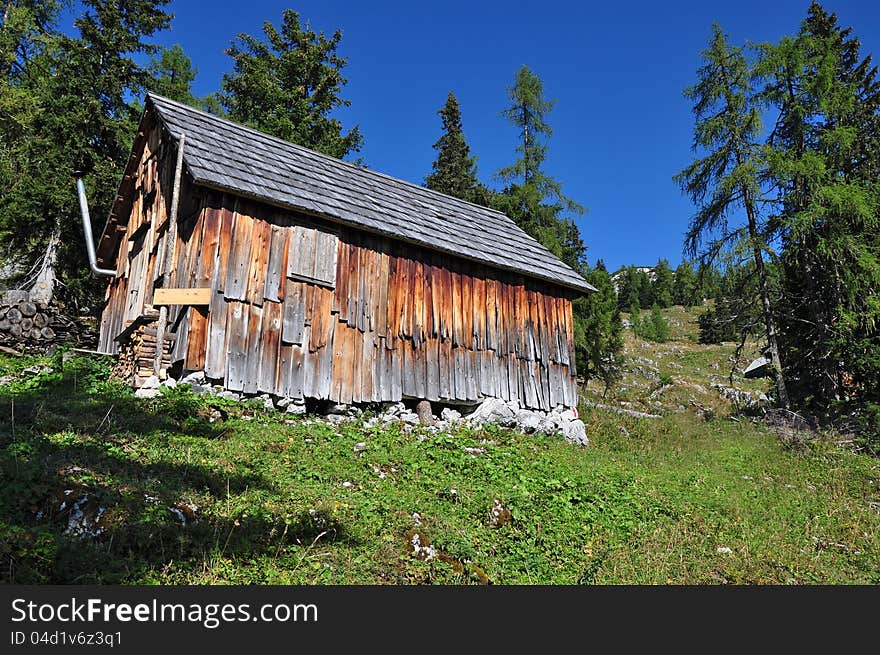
column 199, row 296
column 269, row 355
column 215, row 346
column 340, row 295
column 353, row 282
column 253, row 354
column 259, row 259
column 294, row 320
column 445, row 369
column 224, row 245
column 455, row 303
column 417, row 293
column 236, row 344
column 278, row 236
column 432, row 361
column 363, row 283
column 467, row 310
column 239, row 259
column 198, row 332
column 382, row 301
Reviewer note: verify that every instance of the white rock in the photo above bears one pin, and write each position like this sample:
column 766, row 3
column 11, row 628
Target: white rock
column 568, row 415
column 151, row 382
column 146, row 393
column 196, row 377
column 266, row 399
column 527, row 421
column 282, row 403
column 298, row 408
column 492, row 410
column 169, row 383
column 410, row 417
column 547, row 426
column 359, row 446
column 449, row 414
column 576, row 433
column 396, row 409
column 228, row 395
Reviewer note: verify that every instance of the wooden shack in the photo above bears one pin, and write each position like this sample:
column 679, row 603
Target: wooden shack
column 299, row 275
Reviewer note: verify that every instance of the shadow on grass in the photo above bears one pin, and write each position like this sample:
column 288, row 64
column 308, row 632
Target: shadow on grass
column 82, row 504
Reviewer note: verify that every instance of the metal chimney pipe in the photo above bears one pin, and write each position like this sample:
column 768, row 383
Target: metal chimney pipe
column 87, row 229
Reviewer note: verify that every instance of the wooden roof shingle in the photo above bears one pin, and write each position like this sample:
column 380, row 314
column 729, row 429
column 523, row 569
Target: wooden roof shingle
column 230, row 157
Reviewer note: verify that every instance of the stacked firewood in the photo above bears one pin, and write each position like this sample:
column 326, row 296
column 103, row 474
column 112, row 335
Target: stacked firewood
column 137, row 353
column 34, row 327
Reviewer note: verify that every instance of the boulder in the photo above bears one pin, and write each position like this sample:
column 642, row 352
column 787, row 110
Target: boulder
column 449, row 414
column 196, row 377
column 151, row 382
column 527, row 421
column 146, row 393
column 296, row 407
column 576, row 433
column 492, row 410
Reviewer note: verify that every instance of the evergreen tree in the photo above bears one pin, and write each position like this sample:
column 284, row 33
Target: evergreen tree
column 825, row 158
column 663, row 285
column 532, row 198
column 708, row 282
column 628, row 291
column 727, row 175
column 599, row 332
column 644, row 288
column 172, row 75
column 288, row 85
column 455, row 169
column 684, row 285
column 78, row 89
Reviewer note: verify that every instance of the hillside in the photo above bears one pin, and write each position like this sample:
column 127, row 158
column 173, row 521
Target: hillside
column 102, row 487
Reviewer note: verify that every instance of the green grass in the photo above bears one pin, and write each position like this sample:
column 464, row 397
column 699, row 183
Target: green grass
column 297, row 502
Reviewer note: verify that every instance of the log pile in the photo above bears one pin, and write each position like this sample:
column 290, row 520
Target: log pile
column 28, row 326
column 137, row 351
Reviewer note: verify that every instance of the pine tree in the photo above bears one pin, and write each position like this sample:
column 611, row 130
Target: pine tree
column 825, row 157
column 289, row 84
column 685, row 285
column 599, row 332
column 455, row 169
column 727, row 175
column 663, row 283
column 644, row 288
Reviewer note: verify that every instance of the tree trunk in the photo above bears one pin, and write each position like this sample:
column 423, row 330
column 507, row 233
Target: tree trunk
column 43, row 288
column 770, row 324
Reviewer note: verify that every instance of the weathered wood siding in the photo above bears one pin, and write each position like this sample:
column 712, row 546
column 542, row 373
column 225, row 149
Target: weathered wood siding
column 302, row 308
column 140, row 261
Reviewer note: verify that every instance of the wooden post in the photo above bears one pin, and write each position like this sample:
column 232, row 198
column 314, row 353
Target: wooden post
column 170, row 240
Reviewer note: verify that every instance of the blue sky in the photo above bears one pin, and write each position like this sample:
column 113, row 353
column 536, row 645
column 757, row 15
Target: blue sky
column 616, row 69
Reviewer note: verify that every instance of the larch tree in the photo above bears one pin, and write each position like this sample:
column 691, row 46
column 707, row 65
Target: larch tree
column 172, row 75
column 532, row 198
column 824, row 154
column 288, row 85
column 726, row 175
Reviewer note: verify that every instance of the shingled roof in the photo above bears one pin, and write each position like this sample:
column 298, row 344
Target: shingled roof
column 227, row 156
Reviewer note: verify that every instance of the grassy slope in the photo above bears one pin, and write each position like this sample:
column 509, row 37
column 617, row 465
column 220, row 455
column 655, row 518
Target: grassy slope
column 281, row 501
